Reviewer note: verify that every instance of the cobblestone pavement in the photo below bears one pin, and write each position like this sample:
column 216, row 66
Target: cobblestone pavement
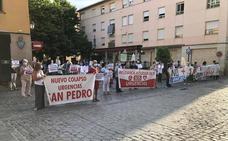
column 197, row 113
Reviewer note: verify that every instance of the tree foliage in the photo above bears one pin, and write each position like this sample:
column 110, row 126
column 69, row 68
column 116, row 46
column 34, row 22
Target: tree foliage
column 55, row 23
column 163, row 55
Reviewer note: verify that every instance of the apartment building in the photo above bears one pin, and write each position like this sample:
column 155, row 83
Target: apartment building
column 142, row 26
column 15, row 40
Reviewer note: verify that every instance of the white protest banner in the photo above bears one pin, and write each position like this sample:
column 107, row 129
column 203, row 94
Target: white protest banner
column 206, row 71
column 84, row 69
column 134, row 78
column 63, row 89
column 179, row 75
column 75, row 69
column 15, row 63
column 100, row 76
column 53, row 68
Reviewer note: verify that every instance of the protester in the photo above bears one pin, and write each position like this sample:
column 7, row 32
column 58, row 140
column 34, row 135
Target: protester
column 106, row 80
column 53, row 68
column 133, row 65
column 117, row 67
column 57, row 61
column 159, row 69
column 139, row 65
column 38, row 78
column 204, row 63
column 26, row 78
column 217, row 71
column 168, row 72
column 95, row 69
column 13, row 82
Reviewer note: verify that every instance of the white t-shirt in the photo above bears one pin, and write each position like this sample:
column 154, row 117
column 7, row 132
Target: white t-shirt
column 41, row 81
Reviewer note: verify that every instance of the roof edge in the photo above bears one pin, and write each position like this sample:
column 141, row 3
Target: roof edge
column 92, row 5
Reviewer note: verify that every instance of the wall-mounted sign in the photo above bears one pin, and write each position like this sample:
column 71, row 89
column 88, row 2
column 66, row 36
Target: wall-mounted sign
column 20, row 42
column 219, row 54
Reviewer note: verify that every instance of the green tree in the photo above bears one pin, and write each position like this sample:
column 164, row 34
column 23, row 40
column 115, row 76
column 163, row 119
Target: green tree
column 163, row 55
column 55, row 25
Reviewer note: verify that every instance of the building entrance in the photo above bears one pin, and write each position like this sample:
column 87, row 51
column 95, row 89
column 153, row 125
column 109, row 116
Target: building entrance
column 5, row 58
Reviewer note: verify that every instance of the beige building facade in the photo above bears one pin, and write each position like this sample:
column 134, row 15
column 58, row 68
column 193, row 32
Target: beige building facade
column 15, row 39
column 144, row 25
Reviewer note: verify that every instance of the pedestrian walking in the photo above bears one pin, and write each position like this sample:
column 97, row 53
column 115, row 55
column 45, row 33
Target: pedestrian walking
column 26, row 78
column 38, row 78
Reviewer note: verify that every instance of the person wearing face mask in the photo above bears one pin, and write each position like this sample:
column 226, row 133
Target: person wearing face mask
column 106, row 82
column 26, row 78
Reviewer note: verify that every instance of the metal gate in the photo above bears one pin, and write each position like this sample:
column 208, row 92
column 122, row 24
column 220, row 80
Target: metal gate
column 5, row 58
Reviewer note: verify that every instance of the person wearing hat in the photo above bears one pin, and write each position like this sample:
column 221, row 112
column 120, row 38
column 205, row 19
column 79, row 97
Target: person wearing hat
column 26, row 78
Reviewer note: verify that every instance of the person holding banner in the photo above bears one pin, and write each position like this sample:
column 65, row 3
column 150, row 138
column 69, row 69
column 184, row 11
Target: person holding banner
column 26, row 78
column 95, row 69
column 38, row 78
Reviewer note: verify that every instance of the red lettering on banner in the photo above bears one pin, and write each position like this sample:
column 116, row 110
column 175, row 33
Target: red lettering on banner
column 89, row 93
column 58, row 80
column 79, row 94
column 55, row 97
column 68, row 94
column 83, row 93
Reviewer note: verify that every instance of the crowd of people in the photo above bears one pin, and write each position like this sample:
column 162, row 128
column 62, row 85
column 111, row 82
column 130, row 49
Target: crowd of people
column 35, row 73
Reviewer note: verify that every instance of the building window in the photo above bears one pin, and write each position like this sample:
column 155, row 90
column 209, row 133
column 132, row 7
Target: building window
column 112, row 21
column 124, row 38
column 179, row 31
column 161, row 12
column 94, row 42
column 102, row 10
column 124, row 20
column 180, row 8
column 212, row 27
column 146, row 16
column 102, row 41
column 130, row 19
column 213, row 3
column 112, row 7
column 161, row 34
column 94, row 27
column 130, row 37
column 127, row 3
column 127, row 20
column 102, row 26
column 145, row 35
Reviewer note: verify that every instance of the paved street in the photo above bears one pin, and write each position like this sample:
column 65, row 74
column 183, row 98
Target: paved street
column 197, row 113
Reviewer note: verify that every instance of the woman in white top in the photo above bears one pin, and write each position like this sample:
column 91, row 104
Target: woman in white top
column 38, row 78
column 106, row 81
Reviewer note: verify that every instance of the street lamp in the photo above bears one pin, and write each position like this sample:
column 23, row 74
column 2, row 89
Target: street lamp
column 32, row 25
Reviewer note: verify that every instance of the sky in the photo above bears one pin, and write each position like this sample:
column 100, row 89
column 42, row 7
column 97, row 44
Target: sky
column 82, row 3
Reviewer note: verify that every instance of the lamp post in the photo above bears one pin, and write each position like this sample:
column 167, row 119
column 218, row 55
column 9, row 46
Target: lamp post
column 32, row 25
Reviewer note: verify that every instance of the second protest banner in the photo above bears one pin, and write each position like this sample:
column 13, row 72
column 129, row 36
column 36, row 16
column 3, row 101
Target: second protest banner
column 133, row 78
column 63, row 89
